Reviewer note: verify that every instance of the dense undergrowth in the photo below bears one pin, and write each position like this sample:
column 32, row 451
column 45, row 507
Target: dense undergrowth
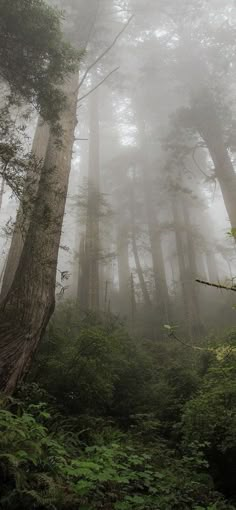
column 105, row 421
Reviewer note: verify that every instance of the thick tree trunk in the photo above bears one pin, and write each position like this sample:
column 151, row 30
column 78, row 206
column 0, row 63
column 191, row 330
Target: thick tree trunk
column 39, row 149
column 29, row 304
column 209, row 127
column 27, row 308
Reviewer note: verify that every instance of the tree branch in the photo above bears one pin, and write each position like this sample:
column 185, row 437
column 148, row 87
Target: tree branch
column 103, row 53
column 217, row 285
column 99, row 84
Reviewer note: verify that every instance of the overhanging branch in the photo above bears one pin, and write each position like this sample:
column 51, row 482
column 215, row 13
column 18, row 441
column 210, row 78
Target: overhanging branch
column 217, row 285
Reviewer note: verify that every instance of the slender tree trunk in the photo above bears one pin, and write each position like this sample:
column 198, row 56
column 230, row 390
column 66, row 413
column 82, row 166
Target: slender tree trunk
column 143, row 285
column 1, row 192
column 209, row 127
column 25, row 311
column 133, row 301
column 92, row 226
column 161, row 288
column 123, row 266
column 197, row 325
column 82, row 293
column 201, row 267
column 181, row 257
column 213, row 273
column 39, row 149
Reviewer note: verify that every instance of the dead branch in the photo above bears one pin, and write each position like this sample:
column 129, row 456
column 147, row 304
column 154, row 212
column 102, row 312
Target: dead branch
column 104, row 53
column 217, row 285
column 99, row 84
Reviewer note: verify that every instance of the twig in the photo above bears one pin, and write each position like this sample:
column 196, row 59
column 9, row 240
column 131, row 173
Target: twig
column 216, row 285
column 103, row 53
column 99, row 84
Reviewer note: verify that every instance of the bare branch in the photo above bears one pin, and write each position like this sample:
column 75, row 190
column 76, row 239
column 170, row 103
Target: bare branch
column 217, row 285
column 104, row 53
column 99, row 84
column 197, row 164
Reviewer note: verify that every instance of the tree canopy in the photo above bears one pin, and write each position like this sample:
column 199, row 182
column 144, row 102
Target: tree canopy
column 34, row 56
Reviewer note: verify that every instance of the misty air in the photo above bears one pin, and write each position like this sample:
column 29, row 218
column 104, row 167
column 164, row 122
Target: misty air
column 117, row 254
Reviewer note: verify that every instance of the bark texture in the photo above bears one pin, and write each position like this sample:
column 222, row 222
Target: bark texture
column 27, row 307
column 24, row 213
column 29, row 304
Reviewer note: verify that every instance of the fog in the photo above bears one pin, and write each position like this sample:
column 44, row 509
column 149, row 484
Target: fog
column 151, row 200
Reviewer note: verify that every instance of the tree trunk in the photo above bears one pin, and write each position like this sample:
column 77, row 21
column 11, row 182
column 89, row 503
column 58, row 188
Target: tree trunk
column 209, row 127
column 123, row 267
column 161, row 289
column 39, row 149
column 196, row 322
column 92, row 226
column 133, row 301
column 1, row 192
column 143, row 285
column 182, row 264
column 82, row 293
column 27, row 308
column 213, row 274
column 29, row 304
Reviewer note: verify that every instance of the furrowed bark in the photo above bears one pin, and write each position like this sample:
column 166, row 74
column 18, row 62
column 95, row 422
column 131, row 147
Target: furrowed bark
column 27, row 307
column 39, row 149
column 29, row 304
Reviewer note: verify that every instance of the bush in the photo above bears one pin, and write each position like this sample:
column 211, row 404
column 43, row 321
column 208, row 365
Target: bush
column 210, row 416
column 37, row 471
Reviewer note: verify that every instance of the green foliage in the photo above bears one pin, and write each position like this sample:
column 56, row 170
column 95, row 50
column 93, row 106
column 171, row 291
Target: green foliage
column 82, row 359
column 92, row 366
column 15, row 162
column 210, row 415
column 38, row 471
column 34, row 56
column 108, row 421
column 34, row 61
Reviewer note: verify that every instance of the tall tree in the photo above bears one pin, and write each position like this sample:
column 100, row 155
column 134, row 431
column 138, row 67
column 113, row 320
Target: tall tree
column 92, row 241
column 29, row 304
